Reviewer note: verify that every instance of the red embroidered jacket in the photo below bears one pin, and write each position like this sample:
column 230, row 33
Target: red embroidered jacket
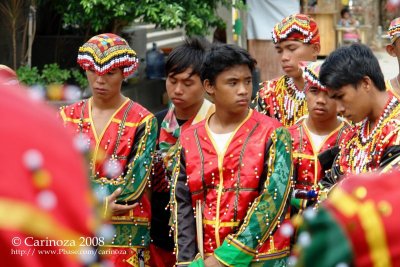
column 244, row 192
column 122, row 157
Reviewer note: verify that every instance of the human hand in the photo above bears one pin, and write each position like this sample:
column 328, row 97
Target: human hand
column 117, row 209
column 212, row 261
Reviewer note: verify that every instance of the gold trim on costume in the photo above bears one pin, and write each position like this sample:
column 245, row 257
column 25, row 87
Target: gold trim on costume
column 222, row 224
column 316, row 149
column 370, row 222
column 306, row 156
column 221, row 157
column 98, row 139
column 133, row 124
column 28, row 219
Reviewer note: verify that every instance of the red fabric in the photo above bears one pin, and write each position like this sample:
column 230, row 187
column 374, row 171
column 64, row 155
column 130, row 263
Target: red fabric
column 128, row 257
column 30, row 125
column 160, row 257
column 233, row 205
column 382, row 190
column 298, row 27
column 7, row 73
column 303, row 149
column 78, row 116
column 107, row 143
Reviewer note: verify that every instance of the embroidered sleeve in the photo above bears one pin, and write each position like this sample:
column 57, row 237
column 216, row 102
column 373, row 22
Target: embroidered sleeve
column 268, row 210
column 140, row 160
column 184, row 221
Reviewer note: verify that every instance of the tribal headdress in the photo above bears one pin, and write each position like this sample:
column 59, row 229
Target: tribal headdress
column 105, row 52
column 297, row 27
column 311, row 74
column 394, row 30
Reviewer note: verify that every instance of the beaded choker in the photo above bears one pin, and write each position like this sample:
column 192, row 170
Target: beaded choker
column 365, row 150
column 293, row 91
column 291, row 103
column 366, row 137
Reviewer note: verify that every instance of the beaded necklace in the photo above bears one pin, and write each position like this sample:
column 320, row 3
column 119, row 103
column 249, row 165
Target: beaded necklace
column 291, row 104
column 365, row 150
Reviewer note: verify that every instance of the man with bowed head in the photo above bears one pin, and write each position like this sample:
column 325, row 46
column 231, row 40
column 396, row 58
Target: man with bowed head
column 122, row 135
column 188, row 106
column 355, row 81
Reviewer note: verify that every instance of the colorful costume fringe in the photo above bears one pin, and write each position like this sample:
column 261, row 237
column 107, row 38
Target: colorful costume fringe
column 394, row 30
column 105, row 52
column 298, row 27
column 311, row 74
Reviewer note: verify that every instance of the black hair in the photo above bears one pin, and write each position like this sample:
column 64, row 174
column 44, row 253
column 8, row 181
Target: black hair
column 348, row 65
column 222, row 57
column 188, row 55
column 344, row 11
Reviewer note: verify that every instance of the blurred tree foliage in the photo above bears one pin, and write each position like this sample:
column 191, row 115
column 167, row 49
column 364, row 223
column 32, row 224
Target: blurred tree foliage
column 94, row 16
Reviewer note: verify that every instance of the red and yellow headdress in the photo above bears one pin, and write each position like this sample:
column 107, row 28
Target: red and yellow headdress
column 394, row 30
column 311, row 74
column 298, row 27
column 44, row 189
column 105, row 52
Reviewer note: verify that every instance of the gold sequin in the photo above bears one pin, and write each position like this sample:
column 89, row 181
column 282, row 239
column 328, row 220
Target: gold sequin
column 360, row 192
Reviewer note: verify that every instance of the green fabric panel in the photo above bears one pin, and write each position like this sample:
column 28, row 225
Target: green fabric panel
column 278, row 187
column 270, row 263
column 139, row 170
column 329, row 245
column 295, row 202
column 231, row 255
column 136, row 232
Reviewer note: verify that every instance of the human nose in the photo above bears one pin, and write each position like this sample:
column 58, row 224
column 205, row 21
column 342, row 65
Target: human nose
column 285, row 56
column 99, row 79
column 339, row 107
column 321, row 98
column 178, row 89
column 244, row 88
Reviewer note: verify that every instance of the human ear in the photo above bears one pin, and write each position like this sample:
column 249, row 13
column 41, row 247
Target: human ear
column 208, row 87
column 316, row 49
column 366, row 83
column 390, row 50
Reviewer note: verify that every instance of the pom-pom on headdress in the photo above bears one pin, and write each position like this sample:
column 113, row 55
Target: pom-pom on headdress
column 394, row 30
column 311, row 74
column 105, row 52
column 298, row 27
